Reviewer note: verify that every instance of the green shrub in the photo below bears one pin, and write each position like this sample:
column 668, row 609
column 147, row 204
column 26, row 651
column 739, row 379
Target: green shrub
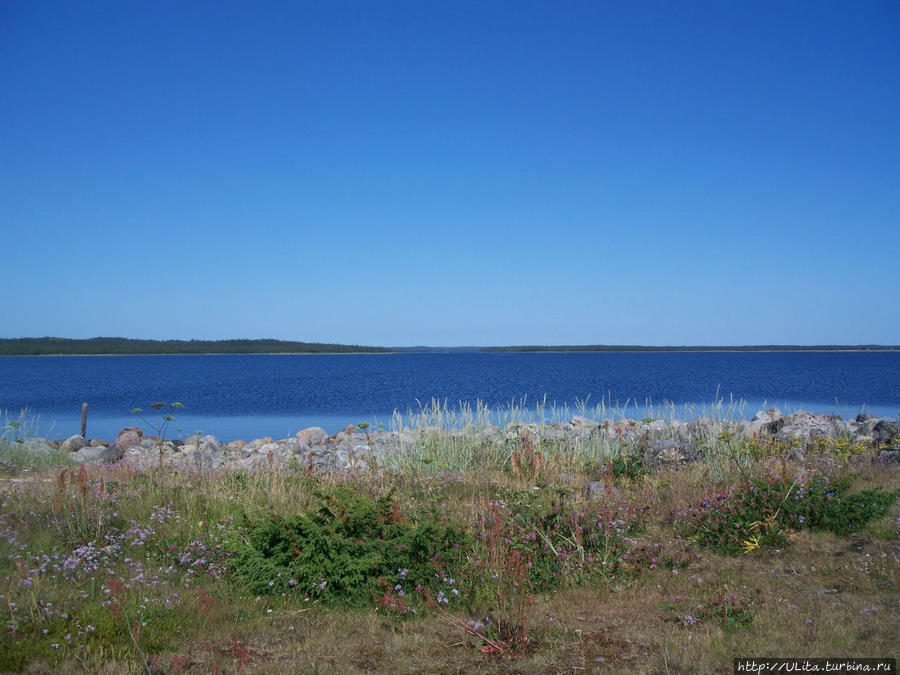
column 830, row 506
column 763, row 512
column 351, row 551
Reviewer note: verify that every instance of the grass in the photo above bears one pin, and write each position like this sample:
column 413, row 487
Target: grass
column 16, row 455
column 460, row 556
column 463, row 438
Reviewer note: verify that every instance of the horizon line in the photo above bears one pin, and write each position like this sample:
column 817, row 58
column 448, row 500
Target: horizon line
column 507, row 347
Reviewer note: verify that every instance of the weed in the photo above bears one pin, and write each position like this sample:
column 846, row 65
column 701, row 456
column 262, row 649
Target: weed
column 764, row 512
column 731, row 609
column 159, row 424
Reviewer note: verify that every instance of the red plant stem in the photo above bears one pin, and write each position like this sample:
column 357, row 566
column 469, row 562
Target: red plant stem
column 453, row 619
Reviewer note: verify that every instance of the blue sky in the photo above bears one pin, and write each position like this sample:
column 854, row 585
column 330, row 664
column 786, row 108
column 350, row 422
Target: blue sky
column 452, row 173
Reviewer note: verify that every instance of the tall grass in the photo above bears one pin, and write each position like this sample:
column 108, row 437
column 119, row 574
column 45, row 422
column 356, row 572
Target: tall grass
column 18, row 450
column 441, row 414
column 440, row 437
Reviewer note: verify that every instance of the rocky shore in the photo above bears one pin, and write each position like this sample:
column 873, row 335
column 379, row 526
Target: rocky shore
column 355, row 450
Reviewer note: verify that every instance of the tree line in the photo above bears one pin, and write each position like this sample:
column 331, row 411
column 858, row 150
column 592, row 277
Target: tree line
column 113, row 345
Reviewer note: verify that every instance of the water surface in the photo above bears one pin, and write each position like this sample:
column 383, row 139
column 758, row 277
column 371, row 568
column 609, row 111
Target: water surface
column 243, row 396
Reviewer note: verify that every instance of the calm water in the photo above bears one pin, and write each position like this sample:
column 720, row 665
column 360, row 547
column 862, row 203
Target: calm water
column 244, row 396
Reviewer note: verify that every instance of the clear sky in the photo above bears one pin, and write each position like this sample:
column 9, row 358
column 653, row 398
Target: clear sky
column 452, row 173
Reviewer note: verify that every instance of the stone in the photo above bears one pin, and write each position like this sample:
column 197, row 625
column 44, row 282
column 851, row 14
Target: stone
column 885, row 432
column 867, row 426
column 755, row 426
column 209, row 445
column 891, row 456
column 310, row 436
column 670, row 456
column 37, row 446
column 803, row 425
column 842, row 426
column 797, row 455
column 658, row 425
column 357, row 465
column 583, row 423
column 670, row 450
column 345, row 433
column 254, row 462
column 597, row 489
column 98, row 442
column 98, row 454
column 863, row 416
column 268, row 450
column 128, row 438
column 206, row 455
column 73, row 443
column 661, row 445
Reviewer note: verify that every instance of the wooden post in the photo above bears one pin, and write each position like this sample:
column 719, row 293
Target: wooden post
column 83, row 420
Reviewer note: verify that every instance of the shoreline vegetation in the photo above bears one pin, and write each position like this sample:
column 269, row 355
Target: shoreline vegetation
column 104, row 346
column 613, row 545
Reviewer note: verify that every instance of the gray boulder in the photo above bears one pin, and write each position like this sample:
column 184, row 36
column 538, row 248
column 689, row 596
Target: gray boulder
column 98, row 454
column 73, row 443
column 309, row 437
column 209, row 445
column 584, row 424
column 658, row 425
column 254, row 462
column 669, row 451
column 885, row 432
column 37, row 446
column 206, row 455
column 803, row 425
column 758, row 423
column 891, row 456
column 796, row 455
column 345, row 433
column 597, row 489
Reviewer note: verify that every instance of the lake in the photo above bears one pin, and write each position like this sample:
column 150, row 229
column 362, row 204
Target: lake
column 248, row 396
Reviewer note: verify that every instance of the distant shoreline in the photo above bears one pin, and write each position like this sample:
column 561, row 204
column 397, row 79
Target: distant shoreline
column 495, row 351
column 105, row 346
column 123, row 347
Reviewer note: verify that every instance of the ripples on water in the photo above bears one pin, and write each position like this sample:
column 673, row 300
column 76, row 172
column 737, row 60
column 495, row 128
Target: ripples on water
column 247, row 396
